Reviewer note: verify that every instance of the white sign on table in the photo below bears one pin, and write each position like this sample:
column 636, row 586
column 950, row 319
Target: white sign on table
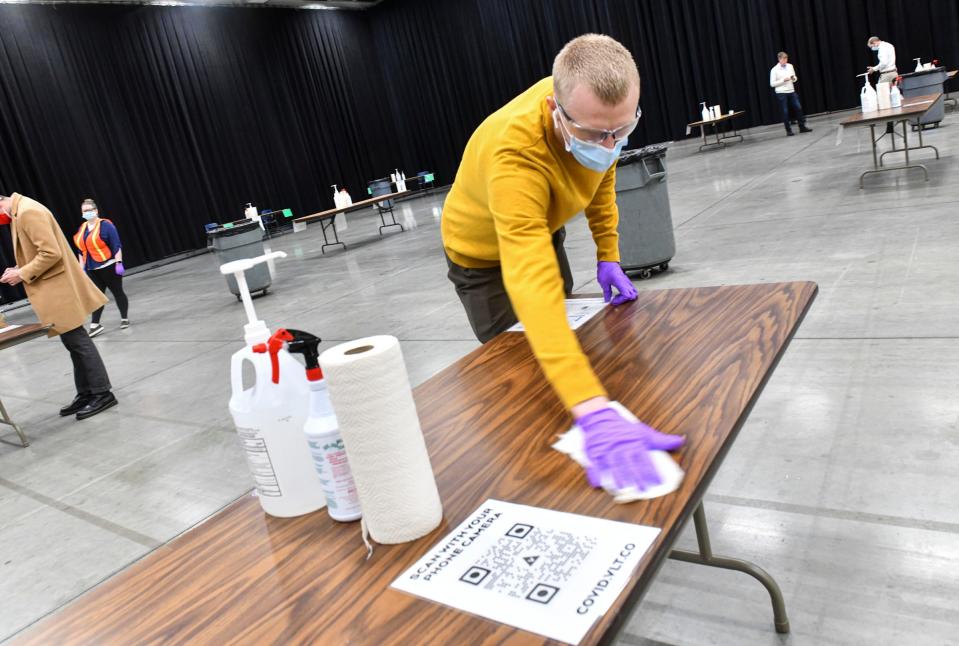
column 548, row 572
column 578, row 311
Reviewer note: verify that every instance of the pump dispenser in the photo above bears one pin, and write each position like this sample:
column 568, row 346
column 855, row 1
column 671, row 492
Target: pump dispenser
column 918, row 64
column 269, row 416
column 706, row 113
column 323, row 435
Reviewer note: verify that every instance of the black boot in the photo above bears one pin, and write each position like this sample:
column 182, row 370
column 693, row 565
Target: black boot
column 97, row 404
column 803, row 128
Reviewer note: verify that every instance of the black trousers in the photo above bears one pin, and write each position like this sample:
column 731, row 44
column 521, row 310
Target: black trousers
column 107, row 278
column 89, row 373
column 787, row 100
column 484, row 296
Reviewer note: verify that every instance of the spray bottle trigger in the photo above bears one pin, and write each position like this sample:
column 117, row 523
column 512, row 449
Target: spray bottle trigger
column 280, row 338
column 308, row 345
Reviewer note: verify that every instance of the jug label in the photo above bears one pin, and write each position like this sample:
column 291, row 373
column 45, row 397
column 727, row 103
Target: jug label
column 258, row 457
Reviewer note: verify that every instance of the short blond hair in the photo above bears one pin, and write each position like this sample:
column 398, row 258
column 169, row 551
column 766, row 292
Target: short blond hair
column 601, row 62
column 872, row 39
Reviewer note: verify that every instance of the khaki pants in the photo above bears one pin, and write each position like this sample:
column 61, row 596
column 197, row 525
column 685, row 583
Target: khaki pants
column 484, row 296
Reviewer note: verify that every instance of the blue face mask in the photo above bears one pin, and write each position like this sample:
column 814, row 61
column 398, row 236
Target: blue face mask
column 89, row 215
column 593, row 156
column 875, row 49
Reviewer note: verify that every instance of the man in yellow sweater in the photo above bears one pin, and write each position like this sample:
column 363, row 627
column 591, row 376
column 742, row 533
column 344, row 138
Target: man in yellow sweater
column 529, row 168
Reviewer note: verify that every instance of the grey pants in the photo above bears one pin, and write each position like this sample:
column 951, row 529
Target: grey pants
column 89, row 373
column 484, row 296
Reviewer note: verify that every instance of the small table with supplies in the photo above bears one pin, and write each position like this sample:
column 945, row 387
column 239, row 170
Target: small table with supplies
column 721, row 138
column 328, row 218
column 911, row 108
column 15, row 335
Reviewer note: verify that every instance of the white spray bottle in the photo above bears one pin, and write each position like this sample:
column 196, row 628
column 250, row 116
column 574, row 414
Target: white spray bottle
column 269, row 417
column 323, row 435
column 918, row 64
column 706, row 112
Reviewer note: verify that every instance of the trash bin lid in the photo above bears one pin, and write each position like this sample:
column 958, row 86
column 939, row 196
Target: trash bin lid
column 632, row 156
column 236, row 229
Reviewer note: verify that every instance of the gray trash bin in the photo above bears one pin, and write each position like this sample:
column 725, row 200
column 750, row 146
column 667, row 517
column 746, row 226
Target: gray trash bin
column 238, row 242
column 926, row 82
column 381, row 187
column 646, row 240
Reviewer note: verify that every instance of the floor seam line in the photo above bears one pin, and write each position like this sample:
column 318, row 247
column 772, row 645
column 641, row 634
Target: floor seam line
column 888, row 520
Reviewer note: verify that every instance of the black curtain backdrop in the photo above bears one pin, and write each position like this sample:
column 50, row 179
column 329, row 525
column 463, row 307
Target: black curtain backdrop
column 447, row 64
column 172, row 117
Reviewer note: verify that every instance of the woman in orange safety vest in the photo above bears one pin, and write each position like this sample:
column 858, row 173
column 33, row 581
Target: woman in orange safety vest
column 101, row 257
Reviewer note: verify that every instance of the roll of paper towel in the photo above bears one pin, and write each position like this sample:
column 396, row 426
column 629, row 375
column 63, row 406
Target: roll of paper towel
column 371, row 395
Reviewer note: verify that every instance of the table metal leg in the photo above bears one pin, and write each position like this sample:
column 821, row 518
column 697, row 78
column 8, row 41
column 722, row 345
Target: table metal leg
column 719, row 143
column 5, row 419
column 705, row 556
column 336, row 236
column 382, row 211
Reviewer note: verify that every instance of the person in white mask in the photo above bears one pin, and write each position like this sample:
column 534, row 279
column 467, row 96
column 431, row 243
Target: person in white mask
column 886, row 67
column 782, row 79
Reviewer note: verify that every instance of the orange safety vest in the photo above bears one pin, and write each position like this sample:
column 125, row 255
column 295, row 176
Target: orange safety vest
column 93, row 245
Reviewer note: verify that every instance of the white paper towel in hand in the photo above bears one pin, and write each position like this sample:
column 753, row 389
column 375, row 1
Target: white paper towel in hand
column 671, row 475
column 370, row 392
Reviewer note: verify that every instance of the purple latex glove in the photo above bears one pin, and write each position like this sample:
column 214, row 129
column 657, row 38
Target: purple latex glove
column 609, row 275
column 120, row 269
column 620, row 448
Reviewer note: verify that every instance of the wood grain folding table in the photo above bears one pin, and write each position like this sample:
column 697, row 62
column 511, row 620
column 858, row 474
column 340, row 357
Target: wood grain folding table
column 687, row 361
column 327, row 219
column 721, row 138
column 912, row 107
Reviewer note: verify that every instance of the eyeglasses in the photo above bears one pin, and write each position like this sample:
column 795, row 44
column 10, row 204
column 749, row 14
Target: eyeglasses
column 598, row 136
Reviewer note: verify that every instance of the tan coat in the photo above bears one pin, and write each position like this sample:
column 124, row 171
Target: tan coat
column 58, row 289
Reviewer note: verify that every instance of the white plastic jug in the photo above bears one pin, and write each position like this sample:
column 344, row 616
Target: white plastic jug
column 868, row 98
column 269, row 418
column 895, row 97
column 883, row 98
column 706, row 114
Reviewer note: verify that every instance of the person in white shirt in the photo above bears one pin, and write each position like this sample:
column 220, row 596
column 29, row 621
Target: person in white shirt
column 782, row 78
column 886, row 68
column 887, row 60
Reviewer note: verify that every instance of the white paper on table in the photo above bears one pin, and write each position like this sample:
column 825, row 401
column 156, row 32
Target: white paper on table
column 670, row 474
column 578, row 311
column 548, row 572
column 9, row 328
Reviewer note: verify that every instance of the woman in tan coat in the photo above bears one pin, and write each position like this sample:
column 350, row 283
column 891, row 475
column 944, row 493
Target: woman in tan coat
column 61, row 295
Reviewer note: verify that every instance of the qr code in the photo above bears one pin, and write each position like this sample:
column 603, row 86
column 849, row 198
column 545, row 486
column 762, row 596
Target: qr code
column 530, row 563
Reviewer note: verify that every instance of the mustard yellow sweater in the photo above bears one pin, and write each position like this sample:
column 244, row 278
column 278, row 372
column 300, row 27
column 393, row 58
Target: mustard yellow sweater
column 515, row 187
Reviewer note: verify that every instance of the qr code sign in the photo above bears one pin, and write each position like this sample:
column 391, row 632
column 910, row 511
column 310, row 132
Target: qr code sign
column 530, row 563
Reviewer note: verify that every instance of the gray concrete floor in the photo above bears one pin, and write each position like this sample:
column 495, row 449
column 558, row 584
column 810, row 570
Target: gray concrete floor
column 842, row 484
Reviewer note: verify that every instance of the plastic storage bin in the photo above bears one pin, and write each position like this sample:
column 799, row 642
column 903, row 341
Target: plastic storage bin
column 646, row 239
column 237, row 242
